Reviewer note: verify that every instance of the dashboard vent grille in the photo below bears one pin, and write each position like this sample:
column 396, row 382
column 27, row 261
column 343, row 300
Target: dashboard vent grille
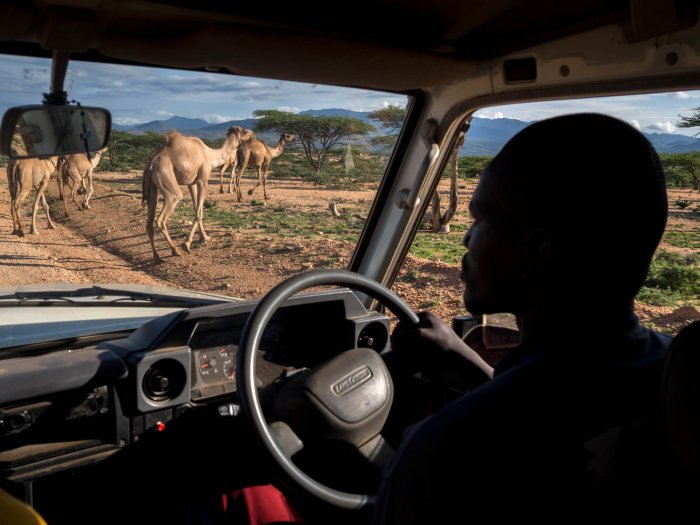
column 164, row 380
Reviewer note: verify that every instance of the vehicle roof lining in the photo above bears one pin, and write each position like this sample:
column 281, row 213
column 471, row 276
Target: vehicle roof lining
column 419, row 48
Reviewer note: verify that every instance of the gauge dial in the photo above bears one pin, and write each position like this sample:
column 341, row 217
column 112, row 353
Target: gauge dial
column 228, row 360
column 208, row 363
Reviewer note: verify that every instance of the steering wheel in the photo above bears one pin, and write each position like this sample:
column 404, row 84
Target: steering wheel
column 346, row 398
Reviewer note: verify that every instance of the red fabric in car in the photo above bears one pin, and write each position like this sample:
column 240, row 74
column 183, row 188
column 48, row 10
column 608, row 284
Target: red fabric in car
column 262, row 504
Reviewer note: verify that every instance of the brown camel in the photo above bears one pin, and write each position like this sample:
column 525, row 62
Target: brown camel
column 258, row 154
column 75, row 171
column 22, row 176
column 183, row 161
column 231, row 163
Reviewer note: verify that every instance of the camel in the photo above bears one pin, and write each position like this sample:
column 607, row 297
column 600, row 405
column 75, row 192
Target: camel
column 75, row 171
column 183, row 161
column 231, row 162
column 258, row 154
column 22, row 176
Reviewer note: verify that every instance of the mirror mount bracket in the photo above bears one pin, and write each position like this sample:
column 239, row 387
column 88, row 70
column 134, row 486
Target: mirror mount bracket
column 59, row 67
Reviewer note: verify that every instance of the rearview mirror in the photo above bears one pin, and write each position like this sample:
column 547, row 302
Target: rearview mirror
column 46, row 131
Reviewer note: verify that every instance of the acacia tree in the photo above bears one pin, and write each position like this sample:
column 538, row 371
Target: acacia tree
column 687, row 164
column 317, row 135
column 693, row 121
column 390, row 118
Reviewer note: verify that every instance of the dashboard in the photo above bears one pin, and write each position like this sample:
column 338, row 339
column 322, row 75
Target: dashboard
column 72, row 406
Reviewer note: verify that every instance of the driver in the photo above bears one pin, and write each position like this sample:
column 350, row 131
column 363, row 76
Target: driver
column 566, row 220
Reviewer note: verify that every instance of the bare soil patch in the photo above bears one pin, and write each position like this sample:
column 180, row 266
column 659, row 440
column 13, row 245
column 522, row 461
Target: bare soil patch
column 108, row 244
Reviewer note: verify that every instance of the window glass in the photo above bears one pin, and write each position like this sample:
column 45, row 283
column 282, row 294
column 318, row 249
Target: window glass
column 671, row 294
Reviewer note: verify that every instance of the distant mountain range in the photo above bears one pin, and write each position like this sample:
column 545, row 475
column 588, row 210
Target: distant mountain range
column 485, row 136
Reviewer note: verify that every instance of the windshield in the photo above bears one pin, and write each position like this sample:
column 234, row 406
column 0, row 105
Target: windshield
column 309, row 159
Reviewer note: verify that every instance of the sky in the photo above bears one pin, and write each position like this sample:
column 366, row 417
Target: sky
column 135, row 95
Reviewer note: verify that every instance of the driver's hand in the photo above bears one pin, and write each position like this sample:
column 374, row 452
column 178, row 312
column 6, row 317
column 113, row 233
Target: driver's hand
column 428, row 342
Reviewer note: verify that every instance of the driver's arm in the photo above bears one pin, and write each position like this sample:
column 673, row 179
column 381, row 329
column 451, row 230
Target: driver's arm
column 429, row 341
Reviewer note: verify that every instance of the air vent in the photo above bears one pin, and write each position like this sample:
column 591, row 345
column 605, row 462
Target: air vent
column 164, row 380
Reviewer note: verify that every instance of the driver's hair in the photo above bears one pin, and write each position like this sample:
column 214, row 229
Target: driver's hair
column 595, row 185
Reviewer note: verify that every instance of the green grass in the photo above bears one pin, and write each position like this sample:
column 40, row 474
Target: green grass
column 683, row 239
column 281, row 220
column 438, row 247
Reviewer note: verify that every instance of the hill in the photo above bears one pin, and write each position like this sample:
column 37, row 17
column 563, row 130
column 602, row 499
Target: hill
column 485, row 136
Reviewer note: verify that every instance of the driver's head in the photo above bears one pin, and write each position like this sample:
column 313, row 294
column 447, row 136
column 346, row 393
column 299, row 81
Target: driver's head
column 569, row 204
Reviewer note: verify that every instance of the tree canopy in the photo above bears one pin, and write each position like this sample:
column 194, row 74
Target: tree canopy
column 693, row 121
column 391, row 117
column 317, row 134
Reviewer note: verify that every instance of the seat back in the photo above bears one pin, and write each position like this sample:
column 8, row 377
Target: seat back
column 680, row 390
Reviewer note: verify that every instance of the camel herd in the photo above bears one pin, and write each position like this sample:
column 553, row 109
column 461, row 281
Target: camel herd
column 181, row 161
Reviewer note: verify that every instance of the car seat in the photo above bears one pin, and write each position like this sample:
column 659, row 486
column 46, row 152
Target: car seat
column 680, row 389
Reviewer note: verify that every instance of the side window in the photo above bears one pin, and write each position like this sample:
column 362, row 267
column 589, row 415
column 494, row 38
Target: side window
column 670, row 296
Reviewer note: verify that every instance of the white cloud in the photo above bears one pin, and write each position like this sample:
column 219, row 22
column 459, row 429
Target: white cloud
column 127, row 121
column 289, row 109
column 166, row 114
column 489, row 115
column 666, row 126
column 636, row 124
column 682, row 95
column 218, row 119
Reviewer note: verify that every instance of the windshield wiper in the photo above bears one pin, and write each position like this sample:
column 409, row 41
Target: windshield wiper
column 99, row 296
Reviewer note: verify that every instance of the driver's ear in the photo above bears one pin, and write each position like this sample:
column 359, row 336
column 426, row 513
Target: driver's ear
column 536, row 252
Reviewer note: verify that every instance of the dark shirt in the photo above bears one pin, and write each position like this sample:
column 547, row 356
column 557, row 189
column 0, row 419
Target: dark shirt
column 513, row 445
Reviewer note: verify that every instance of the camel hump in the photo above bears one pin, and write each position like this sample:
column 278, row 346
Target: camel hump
column 169, row 137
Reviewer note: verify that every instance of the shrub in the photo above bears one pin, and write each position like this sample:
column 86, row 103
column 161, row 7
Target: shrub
column 683, row 203
column 674, row 273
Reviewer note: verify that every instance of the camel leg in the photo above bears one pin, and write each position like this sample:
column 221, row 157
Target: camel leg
column 193, row 194
column 35, row 209
column 239, row 174
column 221, row 178
column 74, row 184
column 65, row 197
column 230, row 179
column 16, row 207
column 45, row 204
column 74, row 196
column 88, row 190
column 39, row 196
column 14, row 190
column 16, row 224
column 169, row 203
column 198, row 193
column 59, row 181
column 150, row 227
column 266, row 171
column 259, row 169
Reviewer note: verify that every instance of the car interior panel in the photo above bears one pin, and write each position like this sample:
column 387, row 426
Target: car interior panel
column 136, row 402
